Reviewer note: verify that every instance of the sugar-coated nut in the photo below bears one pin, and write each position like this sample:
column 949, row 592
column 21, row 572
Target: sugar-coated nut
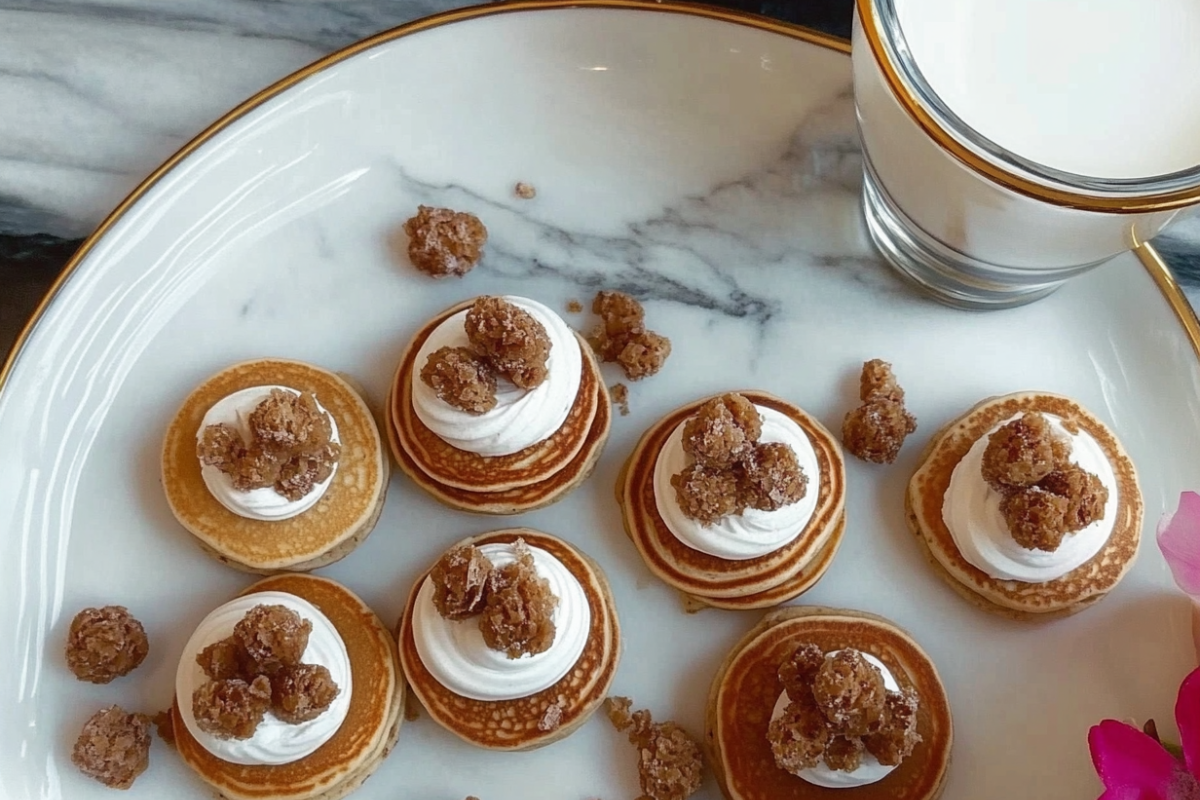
column 223, row 659
column 622, row 318
column 113, row 747
column 1085, row 493
column 798, row 738
column 797, row 671
column 1037, row 519
column 510, row 339
column 518, row 615
column 851, row 692
column 460, row 582
column 461, row 378
column 771, row 477
column 302, row 692
column 844, row 753
column 670, row 763
column 1021, row 453
column 706, row 494
column 897, row 734
column 644, row 355
column 443, row 242
column 722, row 430
column 273, row 636
column 876, row 430
column 232, row 708
column 105, row 643
column 879, row 382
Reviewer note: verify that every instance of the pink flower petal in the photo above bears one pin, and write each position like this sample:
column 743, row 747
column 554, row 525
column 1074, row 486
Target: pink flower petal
column 1179, row 541
column 1127, row 760
column 1187, row 717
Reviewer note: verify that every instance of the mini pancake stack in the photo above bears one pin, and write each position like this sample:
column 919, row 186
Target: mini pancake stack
column 746, row 687
column 330, row 530
column 364, row 739
column 514, row 724
column 1073, row 592
column 707, row 580
column 531, row 478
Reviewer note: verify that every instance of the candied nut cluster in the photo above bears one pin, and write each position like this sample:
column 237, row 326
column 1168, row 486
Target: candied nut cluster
column 670, row 762
column 875, row 431
column 291, row 447
column 514, row 604
column 113, row 747
column 1045, row 496
column 105, row 643
column 444, row 242
column 730, row 469
column 622, row 336
column 461, row 378
column 838, row 709
column 259, row 669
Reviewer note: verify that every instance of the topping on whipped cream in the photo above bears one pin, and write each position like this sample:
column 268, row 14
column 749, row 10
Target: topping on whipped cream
column 841, row 719
column 503, row 339
column 732, row 481
column 500, row 621
column 1043, row 503
column 1046, row 497
column 876, row 430
column 515, row 605
column 730, row 469
column 268, row 452
column 265, row 679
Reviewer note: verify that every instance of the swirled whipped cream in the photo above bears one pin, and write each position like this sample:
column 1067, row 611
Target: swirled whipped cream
column 752, row 533
column 261, row 504
column 870, row 770
column 971, row 511
column 521, row 418
column 274, row 741
column 456, row 655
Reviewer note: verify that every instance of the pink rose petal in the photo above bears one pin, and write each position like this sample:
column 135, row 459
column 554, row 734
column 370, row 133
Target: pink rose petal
column 1179, row 541
column 1130, row 764
column 1187, row 717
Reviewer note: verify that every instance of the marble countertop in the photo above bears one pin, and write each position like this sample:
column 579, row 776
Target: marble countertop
column 108, row 89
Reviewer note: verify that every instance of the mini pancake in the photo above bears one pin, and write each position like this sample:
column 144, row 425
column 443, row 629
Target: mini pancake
column 364, row 739
column 1073, row 592
column 746, row 688
column 724, row 583
column 514, row 724
column 531, row 478
column 323, row 534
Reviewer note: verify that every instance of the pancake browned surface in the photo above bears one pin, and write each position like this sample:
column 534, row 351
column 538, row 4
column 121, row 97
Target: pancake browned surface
column 513, row 724
column 366, row 736
column 724, row 583
column 321, row 535
column 1072, row 592
column 746, row 688
column 525, row 480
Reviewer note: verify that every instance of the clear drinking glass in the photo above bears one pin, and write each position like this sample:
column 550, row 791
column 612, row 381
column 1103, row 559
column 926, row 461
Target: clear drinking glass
column 966, row 219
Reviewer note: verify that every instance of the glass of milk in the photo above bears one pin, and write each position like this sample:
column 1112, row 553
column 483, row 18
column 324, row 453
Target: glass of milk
column 1012, row 144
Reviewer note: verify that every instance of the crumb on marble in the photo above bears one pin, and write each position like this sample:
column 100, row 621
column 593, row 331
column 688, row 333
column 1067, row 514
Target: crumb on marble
column 574, row 306
column 620, row 396
column 525, row 191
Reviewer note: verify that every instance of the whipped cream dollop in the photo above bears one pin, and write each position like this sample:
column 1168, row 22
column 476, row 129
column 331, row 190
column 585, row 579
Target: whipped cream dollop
column 521, row 418
column 971, row 511
column 456, row 655
column 274, row 741
column 261, row 504
column 752, row 533
column 870, row 770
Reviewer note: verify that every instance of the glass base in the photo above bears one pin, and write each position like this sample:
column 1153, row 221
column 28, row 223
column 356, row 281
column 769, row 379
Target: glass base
column 940, row 271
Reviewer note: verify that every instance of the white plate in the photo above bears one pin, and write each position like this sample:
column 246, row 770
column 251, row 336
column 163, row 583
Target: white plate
column 710, row 168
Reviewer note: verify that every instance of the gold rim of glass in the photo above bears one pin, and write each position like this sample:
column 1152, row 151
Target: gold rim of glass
column 870, row 24
column 1149, row 257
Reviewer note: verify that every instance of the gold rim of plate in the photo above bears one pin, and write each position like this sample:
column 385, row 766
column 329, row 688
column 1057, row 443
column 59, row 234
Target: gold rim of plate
column 1145, row 252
